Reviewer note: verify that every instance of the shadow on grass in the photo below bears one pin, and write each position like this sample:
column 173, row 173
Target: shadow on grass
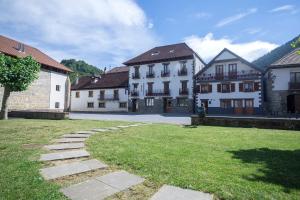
column 282, row 167
column 190, row 126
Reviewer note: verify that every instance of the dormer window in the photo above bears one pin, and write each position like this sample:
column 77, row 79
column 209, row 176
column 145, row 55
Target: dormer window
column 155, row 53
column 172, row 51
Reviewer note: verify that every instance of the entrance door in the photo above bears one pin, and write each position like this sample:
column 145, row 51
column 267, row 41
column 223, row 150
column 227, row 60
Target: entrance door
column 290, row 102
column 205, row 104
column 134, row 105
column 238, row 106
column 167, row 105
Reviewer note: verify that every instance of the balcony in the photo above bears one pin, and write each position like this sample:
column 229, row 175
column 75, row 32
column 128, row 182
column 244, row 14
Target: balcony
column 184, row 91
column 165, row 73
column 134, row 93
column 108, row 97
column 158, row 93
column 150, row 75
column 294, row 85
column 243, row 75
column 135, row 75
column 182, row 72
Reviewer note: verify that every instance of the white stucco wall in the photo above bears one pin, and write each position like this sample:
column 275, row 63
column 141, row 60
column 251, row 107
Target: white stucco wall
column 281, row 77
column 57, row 96
column 80, row 104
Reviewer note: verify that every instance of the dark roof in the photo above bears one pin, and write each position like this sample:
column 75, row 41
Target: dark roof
column 10, row 47
column 163, row 54
column 292, row 58
column 119, row 69
column 104, row 81
column 237, row 56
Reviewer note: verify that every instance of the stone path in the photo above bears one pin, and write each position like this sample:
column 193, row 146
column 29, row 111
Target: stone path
column 97, row 188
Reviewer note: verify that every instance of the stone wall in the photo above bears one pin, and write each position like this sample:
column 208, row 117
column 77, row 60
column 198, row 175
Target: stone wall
column 36, row 97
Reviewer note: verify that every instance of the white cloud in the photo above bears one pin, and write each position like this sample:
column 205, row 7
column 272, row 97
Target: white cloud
column 100, row 31
column 283, row 8
column 234, row 18
column 208, row 47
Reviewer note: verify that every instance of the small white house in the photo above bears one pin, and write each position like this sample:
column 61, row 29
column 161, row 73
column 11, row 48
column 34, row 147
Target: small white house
column 104, row 93
column 161, row 80
column 230, row 85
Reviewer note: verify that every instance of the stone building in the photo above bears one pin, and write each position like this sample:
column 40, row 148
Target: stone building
column 50, row 91
column 282, row 85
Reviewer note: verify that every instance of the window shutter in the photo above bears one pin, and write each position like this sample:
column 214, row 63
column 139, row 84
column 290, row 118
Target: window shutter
column 232, row 87
column 241, row 87
column 256, row 86
column 209, row 88
column 219, row 87
column 197, row 89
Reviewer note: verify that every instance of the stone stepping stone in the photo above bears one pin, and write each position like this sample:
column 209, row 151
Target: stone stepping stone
column 71, row 169
column 134, row 125
column 76, row 135
column 65, row 146
column 70, row 140
column 100, row 130
column 123, row 126
column 64, row 155
column 84, row 132
column 168, row 192
column 102, row 187
column 112, row 128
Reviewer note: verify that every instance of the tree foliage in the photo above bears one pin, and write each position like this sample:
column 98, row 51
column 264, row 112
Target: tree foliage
column 80, row 68
column 296, row 44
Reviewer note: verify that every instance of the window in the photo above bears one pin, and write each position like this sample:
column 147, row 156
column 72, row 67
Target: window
column 150, row 69
column 166, row 87
column 295, row 77
column 136, row 70
column 91, row 93
column 166, row 68
column 150, row 88
column 225, row 103
column 102, row 94
column 101, row 105
column 249, row 103
column 219, row 72
column 57, row 88
column 238, row 103
column 135, row 86
column 232, row 70
column 205, row 88
column 248, row 87
column 149, row 102
column 123, row 105
column 90, row 104
column 182, row 102
column 56, row 104
column 77, row 94
column 116, row 94
column 225, row 88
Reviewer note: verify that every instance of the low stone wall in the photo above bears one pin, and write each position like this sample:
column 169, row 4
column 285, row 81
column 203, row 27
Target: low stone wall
column 39, row 115
column 248, row 122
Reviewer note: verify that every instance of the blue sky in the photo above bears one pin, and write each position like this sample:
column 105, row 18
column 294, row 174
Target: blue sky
column 108, row 32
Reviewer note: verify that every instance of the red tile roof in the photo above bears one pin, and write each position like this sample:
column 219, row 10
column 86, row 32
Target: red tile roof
column 10, row 47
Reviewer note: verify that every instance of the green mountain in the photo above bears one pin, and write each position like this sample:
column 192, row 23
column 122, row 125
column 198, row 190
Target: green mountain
column 274, row 55
column 80, row 68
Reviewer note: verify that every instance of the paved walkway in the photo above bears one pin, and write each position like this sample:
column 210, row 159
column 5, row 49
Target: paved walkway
column 149, row 118
column 97, row 188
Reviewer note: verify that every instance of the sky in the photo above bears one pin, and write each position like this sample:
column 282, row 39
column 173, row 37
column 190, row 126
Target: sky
column 107, row 33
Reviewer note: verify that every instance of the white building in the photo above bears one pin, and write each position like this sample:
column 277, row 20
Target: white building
column 51, row 91
column 230, row 85
column 162, row 79
column 282, row 80
column 104, row 93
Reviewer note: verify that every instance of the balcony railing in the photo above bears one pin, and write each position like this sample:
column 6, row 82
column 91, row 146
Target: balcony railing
column 165, row 73
column 108, row 98
column 158, row 93
column 150, row 75
column 182, row 72
column 230, row 76
column 135, row 75
column 134, row 93
column 183, row 91
column 294, row 85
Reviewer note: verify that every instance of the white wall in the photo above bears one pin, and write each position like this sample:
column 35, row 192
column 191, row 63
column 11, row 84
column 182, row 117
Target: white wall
column 57, row 96
column 80, row 104
column 282, row 77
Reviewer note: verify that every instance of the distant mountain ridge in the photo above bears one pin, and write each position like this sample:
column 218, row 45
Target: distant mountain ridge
column 274, row 55
column 80, row 68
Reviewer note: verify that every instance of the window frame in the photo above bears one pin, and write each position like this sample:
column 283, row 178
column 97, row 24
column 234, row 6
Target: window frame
column 90, row 93
column 101, row 103
column 90, row 103
column 57, row 105
column 184, row 103
column 77, row 94
column 57, row 88
column 149, row 102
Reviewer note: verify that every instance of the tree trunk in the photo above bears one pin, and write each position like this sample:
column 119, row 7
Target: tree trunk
column 4, row 108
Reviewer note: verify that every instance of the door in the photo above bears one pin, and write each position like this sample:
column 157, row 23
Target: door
column 167, row 103
column 290, row 102
column 238, row 106
column 134, row 105
column 204, row 103
column 249, row 106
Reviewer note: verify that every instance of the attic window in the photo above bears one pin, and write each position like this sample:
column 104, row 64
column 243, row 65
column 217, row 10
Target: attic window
column 172, row 51
column 95, row 80
column 155, row 53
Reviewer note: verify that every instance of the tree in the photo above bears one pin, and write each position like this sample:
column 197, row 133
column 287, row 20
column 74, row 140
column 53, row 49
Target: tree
column 296, row 44
column 16, row 74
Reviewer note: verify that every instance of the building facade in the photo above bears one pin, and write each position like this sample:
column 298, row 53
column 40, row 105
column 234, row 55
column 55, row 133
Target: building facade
column 105, row 93
column 51, row 91
column 282, row 80
column 230, row 85
column 161, row 80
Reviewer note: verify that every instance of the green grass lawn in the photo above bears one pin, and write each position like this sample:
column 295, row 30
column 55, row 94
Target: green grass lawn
column 232, row 163
column 21, row 144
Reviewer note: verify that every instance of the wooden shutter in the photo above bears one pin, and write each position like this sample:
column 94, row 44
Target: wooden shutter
column 256, row 86
column 232, row 85
column 219, row 87
column 209, row 88
column 241, row 87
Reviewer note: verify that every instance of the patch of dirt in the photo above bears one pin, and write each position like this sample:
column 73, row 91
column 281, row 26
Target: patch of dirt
column 32, row 146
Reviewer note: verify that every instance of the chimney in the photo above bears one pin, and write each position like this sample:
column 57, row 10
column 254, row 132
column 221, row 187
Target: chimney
column 21, row 47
